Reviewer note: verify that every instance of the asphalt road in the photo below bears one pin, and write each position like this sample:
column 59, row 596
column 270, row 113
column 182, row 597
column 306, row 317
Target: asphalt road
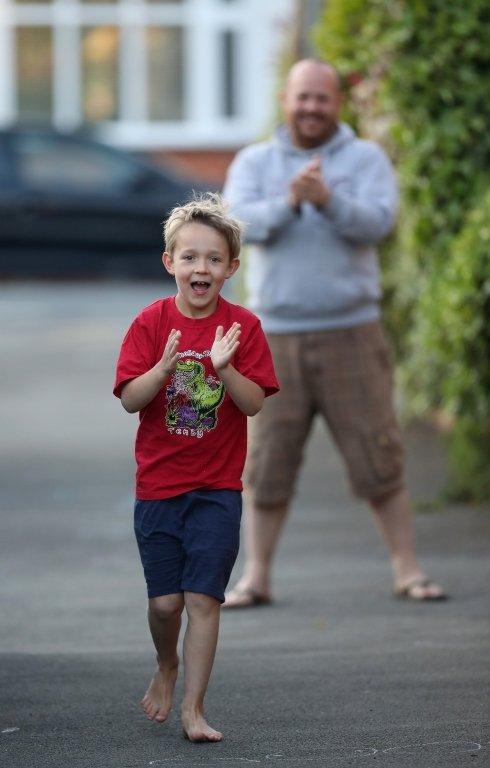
column 335, row 673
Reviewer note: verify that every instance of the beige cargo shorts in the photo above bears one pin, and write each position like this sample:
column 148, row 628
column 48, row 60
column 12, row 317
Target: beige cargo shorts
column 346, row 376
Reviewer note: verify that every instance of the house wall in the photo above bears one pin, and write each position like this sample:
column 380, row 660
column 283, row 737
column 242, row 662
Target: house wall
column 206, row 166
column 189, row 81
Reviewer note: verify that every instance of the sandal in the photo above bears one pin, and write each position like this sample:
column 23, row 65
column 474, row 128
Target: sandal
column 408, row 591
column 243, row 597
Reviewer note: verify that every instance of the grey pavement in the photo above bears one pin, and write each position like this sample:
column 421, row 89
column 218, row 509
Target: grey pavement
column 335, row 673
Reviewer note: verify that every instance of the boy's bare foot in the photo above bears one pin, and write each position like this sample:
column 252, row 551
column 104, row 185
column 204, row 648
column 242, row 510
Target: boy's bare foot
column 196, row 728
column 157, row 701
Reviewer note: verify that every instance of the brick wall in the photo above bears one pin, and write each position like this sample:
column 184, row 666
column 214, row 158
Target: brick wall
column 205, row 166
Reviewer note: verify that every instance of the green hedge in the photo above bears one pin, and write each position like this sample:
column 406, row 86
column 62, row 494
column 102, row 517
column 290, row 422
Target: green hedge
column 454, row 329
column 423, row 67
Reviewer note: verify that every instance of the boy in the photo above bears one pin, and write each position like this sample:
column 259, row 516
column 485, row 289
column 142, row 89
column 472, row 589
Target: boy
column 194, row 366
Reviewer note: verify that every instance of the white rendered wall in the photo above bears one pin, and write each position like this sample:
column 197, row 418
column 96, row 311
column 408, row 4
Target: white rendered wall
column 259, row 23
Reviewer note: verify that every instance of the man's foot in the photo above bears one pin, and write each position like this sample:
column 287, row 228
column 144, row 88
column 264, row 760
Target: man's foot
column 245, row 597
column 420, row 589
column 157, row 701
column 196, row 728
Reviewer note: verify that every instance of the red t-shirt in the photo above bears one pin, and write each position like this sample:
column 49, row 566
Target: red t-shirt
column 191, row 435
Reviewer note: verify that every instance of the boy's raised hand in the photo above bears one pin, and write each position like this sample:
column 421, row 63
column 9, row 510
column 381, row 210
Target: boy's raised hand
column 225, row 346
column 170, row 355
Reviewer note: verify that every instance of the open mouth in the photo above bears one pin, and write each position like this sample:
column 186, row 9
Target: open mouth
column 199, row 286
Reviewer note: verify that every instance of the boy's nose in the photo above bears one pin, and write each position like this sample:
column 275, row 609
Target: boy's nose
column 201, row 266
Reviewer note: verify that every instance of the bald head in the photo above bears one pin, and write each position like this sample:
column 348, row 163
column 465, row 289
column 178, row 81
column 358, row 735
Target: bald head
column 312, row 68
column 311, row 101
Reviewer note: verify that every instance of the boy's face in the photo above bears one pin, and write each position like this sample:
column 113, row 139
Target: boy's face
column 200, row 263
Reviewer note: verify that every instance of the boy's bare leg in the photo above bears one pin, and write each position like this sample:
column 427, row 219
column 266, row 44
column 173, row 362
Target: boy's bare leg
column 262, row 529
column 164, row 618
column 200, row 642
column 393, row 518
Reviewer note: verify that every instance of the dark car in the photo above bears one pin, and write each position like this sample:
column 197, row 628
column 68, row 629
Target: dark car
column 73, row 207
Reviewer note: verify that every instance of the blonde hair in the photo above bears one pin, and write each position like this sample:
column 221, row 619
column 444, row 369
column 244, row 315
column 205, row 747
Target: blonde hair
column 211, row 210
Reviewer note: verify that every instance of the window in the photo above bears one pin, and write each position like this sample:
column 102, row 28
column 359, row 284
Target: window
column 228, row 73
column 34, row 68
column 100, row 59
column 165, row 73
column 187, row 73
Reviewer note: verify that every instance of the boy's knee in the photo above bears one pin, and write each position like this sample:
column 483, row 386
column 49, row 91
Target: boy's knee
column 200, row 604
column 166, row 607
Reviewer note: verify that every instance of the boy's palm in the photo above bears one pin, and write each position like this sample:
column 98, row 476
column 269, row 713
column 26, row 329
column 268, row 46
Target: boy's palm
column 171, row 352
column 225, row 346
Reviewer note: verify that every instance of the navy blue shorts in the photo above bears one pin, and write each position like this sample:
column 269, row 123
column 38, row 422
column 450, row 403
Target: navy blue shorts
column 189, row 543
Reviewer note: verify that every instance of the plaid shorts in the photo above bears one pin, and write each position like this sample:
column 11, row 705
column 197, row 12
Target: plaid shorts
column 346, row 376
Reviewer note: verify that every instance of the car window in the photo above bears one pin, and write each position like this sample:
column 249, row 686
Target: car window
column 52, row 162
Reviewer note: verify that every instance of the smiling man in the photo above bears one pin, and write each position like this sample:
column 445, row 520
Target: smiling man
column 317, row 200
column 311, row 103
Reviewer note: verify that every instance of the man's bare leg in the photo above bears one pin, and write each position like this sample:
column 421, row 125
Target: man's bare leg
column 393, row 518
column 164, row 618
column 200, row 642
column 262, row 530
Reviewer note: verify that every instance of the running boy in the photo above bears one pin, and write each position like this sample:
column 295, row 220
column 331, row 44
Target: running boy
column 194, row 366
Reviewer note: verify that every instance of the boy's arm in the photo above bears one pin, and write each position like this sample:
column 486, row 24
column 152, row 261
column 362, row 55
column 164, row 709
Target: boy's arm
column 246, row 394
column 138, row 392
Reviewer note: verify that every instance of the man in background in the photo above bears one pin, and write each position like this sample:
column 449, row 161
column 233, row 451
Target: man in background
column 316, row 201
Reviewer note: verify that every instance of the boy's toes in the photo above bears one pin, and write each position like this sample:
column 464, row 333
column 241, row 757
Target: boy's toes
column 197, row 729
column 160, row 716
column 148, row 708
column 202, row 735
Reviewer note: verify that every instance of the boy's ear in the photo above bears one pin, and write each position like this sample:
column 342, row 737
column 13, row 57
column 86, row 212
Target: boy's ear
column 234, row 264
column 168, row 262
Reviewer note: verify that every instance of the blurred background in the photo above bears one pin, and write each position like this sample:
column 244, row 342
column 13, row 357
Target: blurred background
column 185, row 81
column 113, row 111
column 124, row 107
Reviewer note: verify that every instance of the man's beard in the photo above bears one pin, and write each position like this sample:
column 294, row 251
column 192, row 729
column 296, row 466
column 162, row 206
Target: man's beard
column 326, row 129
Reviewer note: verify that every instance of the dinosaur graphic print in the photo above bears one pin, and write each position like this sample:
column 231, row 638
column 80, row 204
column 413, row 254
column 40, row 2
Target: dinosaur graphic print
column 192, row 398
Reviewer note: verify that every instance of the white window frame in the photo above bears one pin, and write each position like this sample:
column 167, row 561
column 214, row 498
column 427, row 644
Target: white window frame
column 256, row 23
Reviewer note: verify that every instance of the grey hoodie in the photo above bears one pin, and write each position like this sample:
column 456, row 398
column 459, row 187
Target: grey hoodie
column 318, row 269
